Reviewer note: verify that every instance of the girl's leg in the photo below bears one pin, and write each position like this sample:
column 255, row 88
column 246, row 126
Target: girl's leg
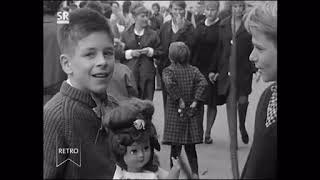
column 242, row 110
column 192, row 157
column 175, row 152
column 211, row 116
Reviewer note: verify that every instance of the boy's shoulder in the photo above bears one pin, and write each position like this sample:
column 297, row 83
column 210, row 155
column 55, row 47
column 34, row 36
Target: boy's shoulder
column 62, row 107
column 53, row 112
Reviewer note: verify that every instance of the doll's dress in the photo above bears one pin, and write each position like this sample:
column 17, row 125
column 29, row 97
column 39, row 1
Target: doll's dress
column 123, row 174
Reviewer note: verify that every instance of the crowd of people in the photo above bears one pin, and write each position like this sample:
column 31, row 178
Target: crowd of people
column 102, row 68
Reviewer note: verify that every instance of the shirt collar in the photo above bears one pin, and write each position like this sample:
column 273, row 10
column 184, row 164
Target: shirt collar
column 175, row 28
column 68, row 81
column 138, row 33
column 206, row 22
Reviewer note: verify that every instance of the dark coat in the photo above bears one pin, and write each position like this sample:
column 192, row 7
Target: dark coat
column 262, row 159
column 205, row 54
column 142, row 67
column 188, row 83
column 167, row 36
column 244, row 67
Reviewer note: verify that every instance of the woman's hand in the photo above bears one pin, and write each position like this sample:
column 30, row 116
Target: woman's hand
column 194, row 104
column 135, row 53
column 182, row 105
column 211, row 77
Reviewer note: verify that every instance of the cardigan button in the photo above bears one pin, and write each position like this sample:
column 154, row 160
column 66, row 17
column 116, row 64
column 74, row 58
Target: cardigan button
column 229, row 73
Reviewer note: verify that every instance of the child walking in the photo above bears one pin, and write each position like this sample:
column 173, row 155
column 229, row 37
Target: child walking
column 183, row 122
column 133, row 140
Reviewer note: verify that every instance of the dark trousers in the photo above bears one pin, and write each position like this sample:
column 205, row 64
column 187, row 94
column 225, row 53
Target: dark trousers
column 158, row 79
column 146, row 88
column 191, row 152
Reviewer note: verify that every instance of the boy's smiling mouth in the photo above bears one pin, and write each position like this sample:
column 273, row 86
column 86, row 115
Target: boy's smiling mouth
column 100, row 75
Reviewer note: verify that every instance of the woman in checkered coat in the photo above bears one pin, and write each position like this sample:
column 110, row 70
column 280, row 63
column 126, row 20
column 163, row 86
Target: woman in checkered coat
column 185, row 86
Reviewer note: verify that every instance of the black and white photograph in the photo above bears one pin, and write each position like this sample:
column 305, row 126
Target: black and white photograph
column 160, row 89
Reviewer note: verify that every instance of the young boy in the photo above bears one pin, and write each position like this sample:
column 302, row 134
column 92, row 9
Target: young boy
column 122, row 85
column 87, row 58
column 261, row 22
column 185, row 86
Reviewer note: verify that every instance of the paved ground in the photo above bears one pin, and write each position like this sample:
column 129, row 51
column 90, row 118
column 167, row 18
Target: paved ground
column 213, row 159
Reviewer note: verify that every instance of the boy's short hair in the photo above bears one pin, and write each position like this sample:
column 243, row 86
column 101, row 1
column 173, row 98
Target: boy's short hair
column 181, row 4
column 263, row 18
column 95, row 5
column 179, row 52
column 82, row 22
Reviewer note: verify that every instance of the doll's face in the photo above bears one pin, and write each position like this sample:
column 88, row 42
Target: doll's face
column 137, row 155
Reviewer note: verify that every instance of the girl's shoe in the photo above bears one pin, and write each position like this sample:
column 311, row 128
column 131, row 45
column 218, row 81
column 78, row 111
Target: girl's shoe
column 208, row 140
column 195, row 176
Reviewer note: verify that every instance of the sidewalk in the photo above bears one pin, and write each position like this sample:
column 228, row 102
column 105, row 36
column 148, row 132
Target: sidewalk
column 213, row 159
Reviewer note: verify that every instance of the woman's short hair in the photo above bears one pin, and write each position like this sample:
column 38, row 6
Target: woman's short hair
column 179, row 53
column 95, row 5
column 212, row 3
column 263, row 18
column 157, row 5
column 138, row 8
column 126, row 7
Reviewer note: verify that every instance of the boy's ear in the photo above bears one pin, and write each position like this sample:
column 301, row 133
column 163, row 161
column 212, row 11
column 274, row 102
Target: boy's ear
column 65, row 63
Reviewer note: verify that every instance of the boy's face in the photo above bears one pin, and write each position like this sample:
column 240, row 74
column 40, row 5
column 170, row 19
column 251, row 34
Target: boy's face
column 264, row 55
column 90, row 68
column 211, row 12
column 137, row 155
column 177, row 11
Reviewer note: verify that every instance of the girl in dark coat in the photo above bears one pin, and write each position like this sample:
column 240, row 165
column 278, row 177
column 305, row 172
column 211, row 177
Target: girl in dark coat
column 205, row 57
column 185, row 86
column 262, row 160
column 244, row 67
column 141, row 46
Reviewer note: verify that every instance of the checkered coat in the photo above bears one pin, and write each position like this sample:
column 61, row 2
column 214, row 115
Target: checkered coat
column 188, row 83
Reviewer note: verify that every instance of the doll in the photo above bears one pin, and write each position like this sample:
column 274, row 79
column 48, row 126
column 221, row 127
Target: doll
column 133, row 140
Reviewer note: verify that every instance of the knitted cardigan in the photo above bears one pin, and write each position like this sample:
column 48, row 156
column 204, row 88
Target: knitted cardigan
column 69, row 121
